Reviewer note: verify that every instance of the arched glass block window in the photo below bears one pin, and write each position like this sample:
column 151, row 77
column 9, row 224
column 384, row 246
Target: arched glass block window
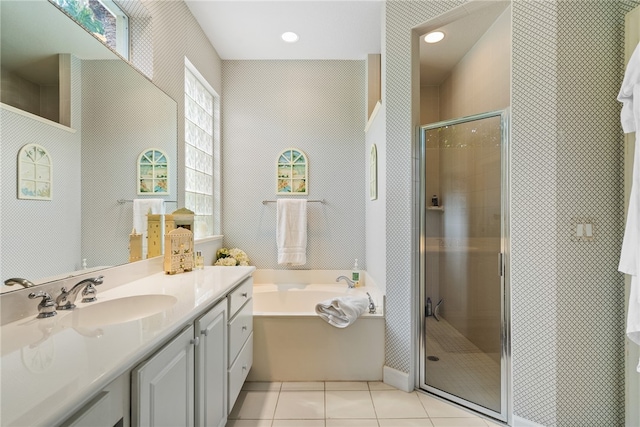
column 293, row 169
column 153, row 172
column 35, row 173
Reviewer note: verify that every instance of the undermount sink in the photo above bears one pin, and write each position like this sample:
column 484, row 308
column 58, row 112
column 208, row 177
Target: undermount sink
column 120, row 310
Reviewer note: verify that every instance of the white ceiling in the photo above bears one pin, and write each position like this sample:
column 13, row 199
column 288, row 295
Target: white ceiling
column 462, row 29
column 239, row 29
column 329, row 29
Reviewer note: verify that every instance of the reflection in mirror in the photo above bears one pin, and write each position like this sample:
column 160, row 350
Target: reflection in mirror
column 99, row 115
column 103, row 18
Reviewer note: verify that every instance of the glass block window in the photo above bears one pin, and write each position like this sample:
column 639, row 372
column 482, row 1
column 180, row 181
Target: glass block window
column 103, row 18
column 200, row 118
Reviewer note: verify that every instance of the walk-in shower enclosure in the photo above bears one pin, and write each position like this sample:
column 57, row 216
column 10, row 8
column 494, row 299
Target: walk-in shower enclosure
column 464, row 252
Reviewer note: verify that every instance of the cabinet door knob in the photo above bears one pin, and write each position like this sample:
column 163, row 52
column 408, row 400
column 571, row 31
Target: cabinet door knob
column 244, row 367
column 244, row 294
column 244, row 328
column 205, row 332
column 195, row 341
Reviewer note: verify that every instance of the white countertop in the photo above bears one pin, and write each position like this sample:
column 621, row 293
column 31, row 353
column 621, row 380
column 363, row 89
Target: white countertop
column 51, row 367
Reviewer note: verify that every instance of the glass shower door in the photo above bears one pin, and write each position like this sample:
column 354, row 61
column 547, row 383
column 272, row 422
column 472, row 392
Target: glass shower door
column 462, row 262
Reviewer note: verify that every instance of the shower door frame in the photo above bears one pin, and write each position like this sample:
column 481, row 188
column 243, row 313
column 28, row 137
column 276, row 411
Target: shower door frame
column 503, row 263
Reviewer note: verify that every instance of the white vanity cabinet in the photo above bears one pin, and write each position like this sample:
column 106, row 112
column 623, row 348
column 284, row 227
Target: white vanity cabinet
column 195, row 379
column 240, row 333
column 211, row 367
column 108, row 409
column 162, row 390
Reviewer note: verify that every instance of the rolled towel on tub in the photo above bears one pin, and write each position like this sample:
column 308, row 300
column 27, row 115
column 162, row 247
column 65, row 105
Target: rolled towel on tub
column 342, row 311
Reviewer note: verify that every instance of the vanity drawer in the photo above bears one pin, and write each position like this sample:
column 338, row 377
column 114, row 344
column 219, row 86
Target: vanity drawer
column 240, row 327
column 239, row 296
column 239, row 371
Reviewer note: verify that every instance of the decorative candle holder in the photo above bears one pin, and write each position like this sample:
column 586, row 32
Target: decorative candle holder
column 135, row 246
column 178, row 254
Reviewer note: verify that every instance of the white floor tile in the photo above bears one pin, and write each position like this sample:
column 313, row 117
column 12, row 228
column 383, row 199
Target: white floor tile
column 458, row 422
column 397, row 404
column 336, row 422
column 261, row 386
column 302, row 386
column 298, row 423
column 346, row 385
column 414, row 422
column 349, row 404
column 248, row 423
column 379, row 385
column 300, row 405
column 491, row 423
column 255, row 405
column 437, row 408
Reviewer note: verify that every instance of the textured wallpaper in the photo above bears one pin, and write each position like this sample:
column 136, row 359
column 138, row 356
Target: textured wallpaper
column 317, row 107
column 34, row 231
column 566, row 151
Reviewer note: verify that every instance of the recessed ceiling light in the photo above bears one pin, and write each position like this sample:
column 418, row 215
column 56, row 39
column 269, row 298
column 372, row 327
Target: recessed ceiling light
column 434, row 37
column 290, row 37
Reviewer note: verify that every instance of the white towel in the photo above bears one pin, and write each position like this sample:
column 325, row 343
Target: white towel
column 291, row 231
column 141, row 207
column 630, row 254
column 342, row 311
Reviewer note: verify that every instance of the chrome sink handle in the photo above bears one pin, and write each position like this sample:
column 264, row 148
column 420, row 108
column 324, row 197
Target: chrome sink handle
column 19, row 281
column 47, row 307
column 372, row 306
column 67, row 299
column 89, row 293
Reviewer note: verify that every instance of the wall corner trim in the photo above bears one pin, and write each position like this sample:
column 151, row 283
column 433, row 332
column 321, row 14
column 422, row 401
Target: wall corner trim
column 400, row 380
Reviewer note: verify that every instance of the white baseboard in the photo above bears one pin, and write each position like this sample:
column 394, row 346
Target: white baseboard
column 398, row 379
column 523, row 422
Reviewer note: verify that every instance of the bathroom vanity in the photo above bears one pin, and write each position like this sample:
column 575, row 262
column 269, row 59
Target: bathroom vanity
column 169, row 348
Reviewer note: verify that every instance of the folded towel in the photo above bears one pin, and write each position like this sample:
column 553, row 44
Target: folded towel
column 291, row 231
column 342, row 311
column 142, row 207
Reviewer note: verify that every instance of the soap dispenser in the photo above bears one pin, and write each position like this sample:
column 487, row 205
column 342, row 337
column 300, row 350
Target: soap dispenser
column 355, row 273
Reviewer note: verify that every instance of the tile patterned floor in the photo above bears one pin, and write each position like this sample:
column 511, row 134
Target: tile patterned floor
column 344, row 404
column 462, row 369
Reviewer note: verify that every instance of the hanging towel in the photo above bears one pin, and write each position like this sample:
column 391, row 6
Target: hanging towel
column 291, row 231
column 141, row 207
column 630, row 254
column 342, row 311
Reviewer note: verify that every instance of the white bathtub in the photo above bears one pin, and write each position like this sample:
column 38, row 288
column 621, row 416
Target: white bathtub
column 292, row 343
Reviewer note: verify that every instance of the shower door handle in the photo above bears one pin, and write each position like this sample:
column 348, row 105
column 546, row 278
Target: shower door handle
column 501, row 264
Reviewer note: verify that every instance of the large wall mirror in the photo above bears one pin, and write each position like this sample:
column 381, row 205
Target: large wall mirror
column 104, row 113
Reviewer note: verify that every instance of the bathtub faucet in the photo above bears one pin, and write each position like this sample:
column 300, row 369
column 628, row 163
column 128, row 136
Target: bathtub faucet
column 350, row 283
column 372, row 306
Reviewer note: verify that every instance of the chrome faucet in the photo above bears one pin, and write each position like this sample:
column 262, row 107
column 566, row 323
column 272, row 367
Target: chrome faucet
column 19, row 281
column 372, row 306
column 350, row 283
column 46, row 308
column 66, row 300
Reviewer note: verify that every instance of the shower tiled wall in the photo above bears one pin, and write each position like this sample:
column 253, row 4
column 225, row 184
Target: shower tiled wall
column 319, row 108
column 566, row 153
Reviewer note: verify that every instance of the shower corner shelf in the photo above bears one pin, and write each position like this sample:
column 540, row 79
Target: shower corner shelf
column 435, row 208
